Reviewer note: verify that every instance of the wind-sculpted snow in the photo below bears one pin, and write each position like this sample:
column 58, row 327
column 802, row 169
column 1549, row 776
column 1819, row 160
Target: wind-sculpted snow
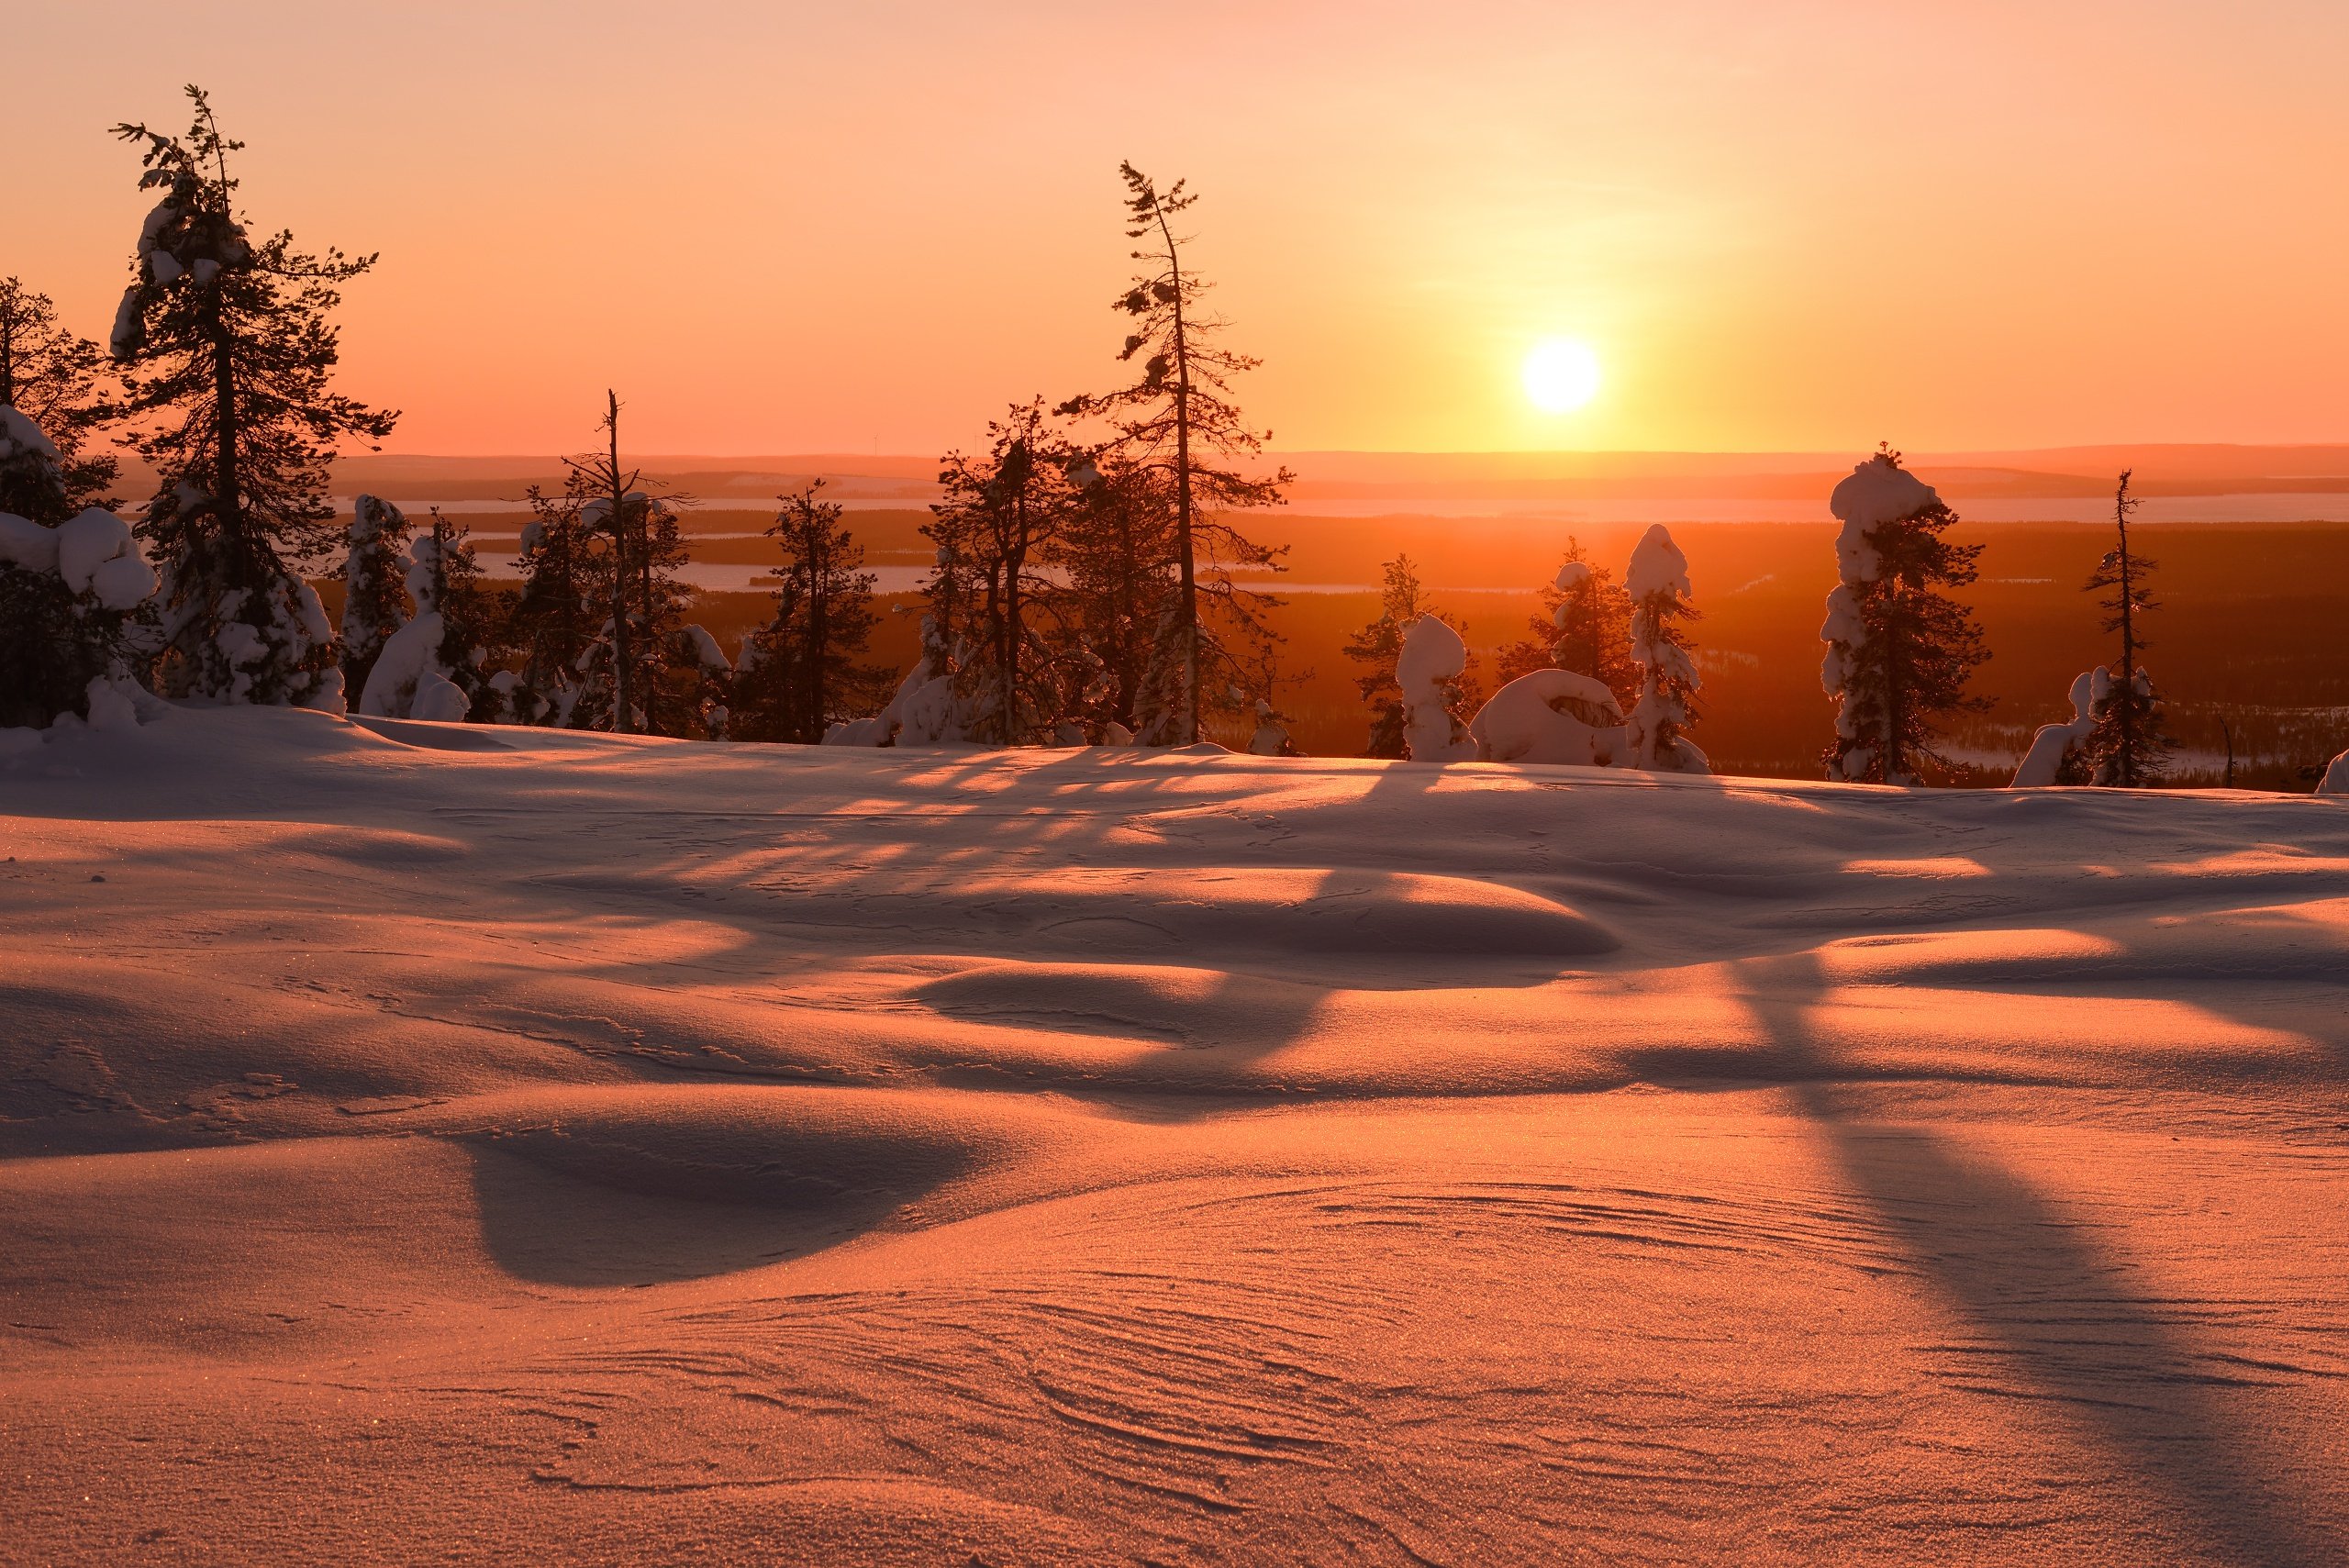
column 422, row 1143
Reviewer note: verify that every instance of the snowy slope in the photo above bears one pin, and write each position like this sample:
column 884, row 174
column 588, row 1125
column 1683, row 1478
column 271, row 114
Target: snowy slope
column 429, row 1142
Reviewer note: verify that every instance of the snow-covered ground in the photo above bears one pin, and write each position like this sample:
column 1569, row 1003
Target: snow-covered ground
column 425, row 1142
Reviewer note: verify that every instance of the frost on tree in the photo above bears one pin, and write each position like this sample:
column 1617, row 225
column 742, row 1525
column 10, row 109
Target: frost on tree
column 375, row 600
column 227, row 348
column 1657, row 582
column 1899, row 650
column 2059, row 752
column 73, row 596
column 1428, row 672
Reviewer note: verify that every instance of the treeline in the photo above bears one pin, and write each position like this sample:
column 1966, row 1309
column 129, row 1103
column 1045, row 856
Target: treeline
column 1082, row 593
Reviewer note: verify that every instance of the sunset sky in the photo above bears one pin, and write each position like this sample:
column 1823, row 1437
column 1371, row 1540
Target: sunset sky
column 797, row 227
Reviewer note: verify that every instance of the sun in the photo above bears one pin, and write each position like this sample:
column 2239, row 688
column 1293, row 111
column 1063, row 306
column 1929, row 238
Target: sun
column 1561, row 374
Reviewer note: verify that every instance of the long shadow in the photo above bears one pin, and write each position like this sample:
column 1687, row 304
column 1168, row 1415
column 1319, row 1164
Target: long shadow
column 2055, row 1309
column 1100, row 811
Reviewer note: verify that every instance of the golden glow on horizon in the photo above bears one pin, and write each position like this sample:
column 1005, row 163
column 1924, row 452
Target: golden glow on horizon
column 1395, row 202
column 1561, row 374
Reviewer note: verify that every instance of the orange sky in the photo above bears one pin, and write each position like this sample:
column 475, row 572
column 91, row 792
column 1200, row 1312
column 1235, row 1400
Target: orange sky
column 866, row 227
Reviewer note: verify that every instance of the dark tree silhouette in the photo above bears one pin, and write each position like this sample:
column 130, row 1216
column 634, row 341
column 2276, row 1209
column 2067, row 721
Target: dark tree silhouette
column 227, row 349
column 1584, row 627
column 58, row 380
column 565, row 599
column 1117, row 555
column 1002, row 514
column 802, row 673
column 1180, row 419
column 648, row 670
column 2127, row 747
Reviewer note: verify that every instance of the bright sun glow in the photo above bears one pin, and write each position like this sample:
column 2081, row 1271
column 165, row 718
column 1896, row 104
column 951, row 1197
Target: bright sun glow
column 1561, row 375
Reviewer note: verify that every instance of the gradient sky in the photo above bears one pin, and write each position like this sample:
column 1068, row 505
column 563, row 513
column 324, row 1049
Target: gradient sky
column 855, row 227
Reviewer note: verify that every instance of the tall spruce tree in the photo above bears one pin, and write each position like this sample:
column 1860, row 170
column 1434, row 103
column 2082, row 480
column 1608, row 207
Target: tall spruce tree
column 2126, row 746
column 803, row 672
column 1584, row 627
column 647, row 670
column 1002, row 514
column 58, row 380
column 227, row 349
column 565, row 598
column 1180, row 418
column 1899, row 649
column 1116, row 555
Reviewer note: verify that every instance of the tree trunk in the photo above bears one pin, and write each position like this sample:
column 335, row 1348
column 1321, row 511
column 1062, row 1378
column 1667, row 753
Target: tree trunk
column 1190, row 592
column 623, row 688
column 2127, row 758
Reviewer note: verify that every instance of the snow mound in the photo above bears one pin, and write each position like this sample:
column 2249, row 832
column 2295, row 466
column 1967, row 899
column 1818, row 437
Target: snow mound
column 2042, row 764
column 1551, row 716
column 1658, row 565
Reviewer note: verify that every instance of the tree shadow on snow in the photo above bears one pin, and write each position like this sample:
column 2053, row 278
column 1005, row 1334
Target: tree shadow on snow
column 2057, row 1316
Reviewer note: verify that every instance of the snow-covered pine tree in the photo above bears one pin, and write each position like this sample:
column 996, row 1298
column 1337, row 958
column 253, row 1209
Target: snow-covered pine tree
column 57, row 379
column 1271, row 737
column 473, row 616
column 375, row 600
column 1657, row 584
column 1179, row 420
column 1379, row 645
column 644, row 671
column 803, row 672
column 1898, row 650
column 410, row 678
column 228, row 347
column 2127, row 747
column 1584, row 627
column 74, row 636
column 1429, row 671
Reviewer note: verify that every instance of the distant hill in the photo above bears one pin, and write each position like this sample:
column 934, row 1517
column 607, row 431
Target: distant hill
column 2052, row 472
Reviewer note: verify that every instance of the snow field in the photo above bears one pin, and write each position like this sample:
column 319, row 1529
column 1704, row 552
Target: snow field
column 440, row 1140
